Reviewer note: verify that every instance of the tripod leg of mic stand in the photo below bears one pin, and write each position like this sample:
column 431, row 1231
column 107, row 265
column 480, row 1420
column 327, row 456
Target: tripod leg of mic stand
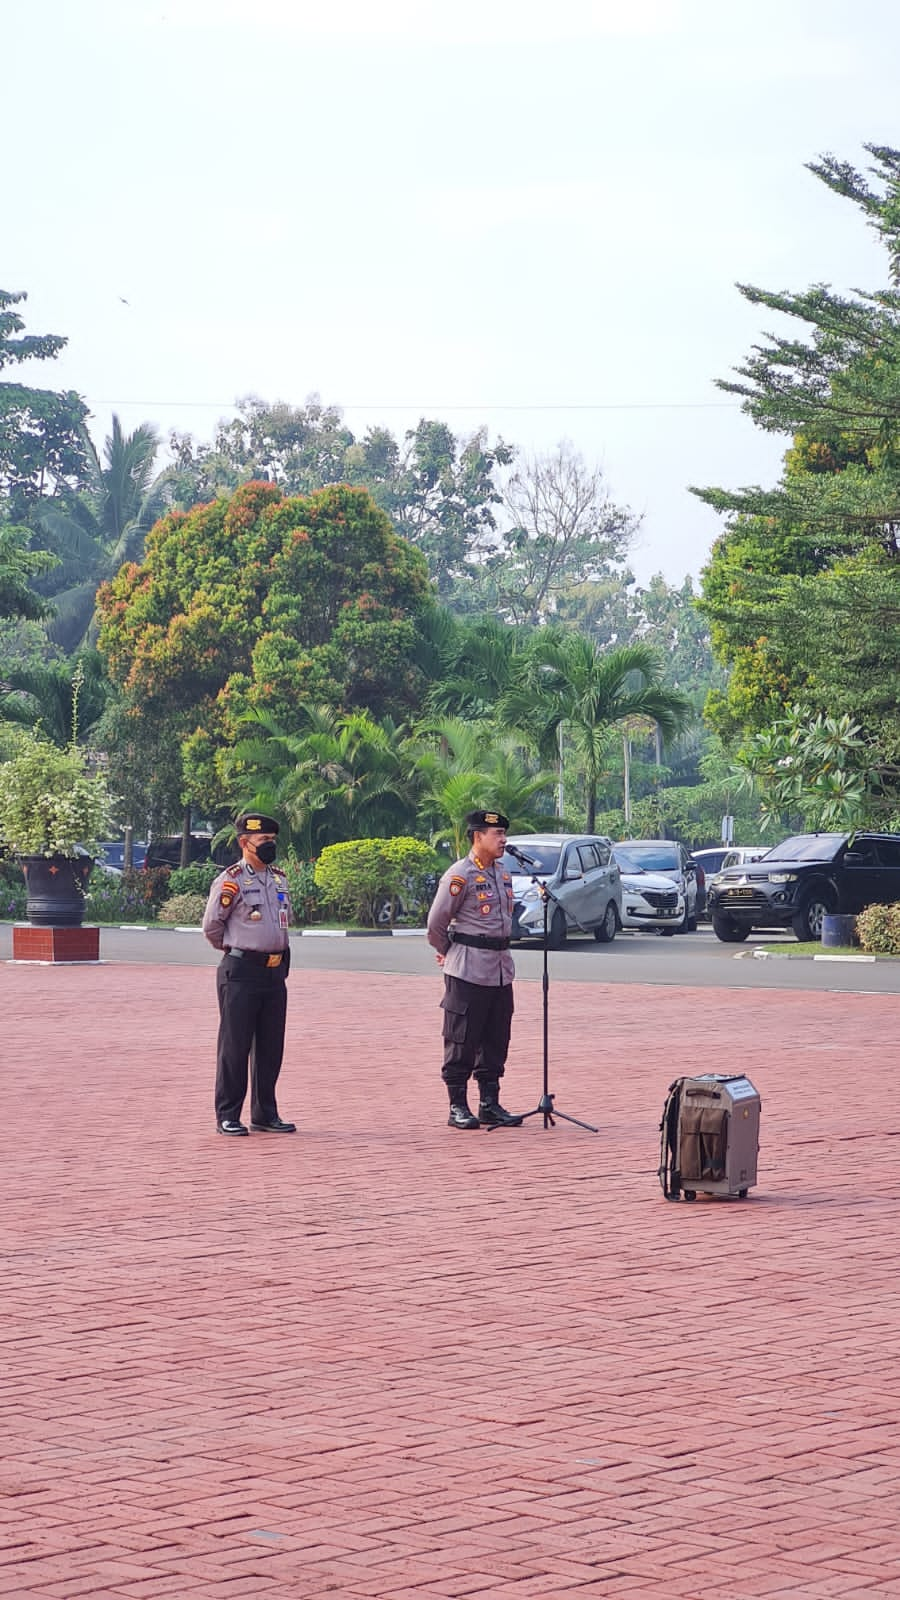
column 588, row 1125
column 548, row 1111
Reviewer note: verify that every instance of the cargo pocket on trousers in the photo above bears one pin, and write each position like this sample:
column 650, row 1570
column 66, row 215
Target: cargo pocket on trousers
column 456, row 1021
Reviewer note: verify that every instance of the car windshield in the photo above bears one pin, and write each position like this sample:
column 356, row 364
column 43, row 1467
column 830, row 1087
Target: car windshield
column 654, row 856
column 807, row 847
column 544, row 856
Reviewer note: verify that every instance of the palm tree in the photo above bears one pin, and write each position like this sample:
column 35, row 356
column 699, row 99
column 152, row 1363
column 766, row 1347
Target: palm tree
column 480, row 663
column 569, row 680
column 345, row 776
column 65, row 699
column 465, row 765
column 93, row 534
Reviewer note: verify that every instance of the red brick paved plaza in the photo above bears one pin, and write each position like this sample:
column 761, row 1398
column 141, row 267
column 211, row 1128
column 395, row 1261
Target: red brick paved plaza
column 383, row 1359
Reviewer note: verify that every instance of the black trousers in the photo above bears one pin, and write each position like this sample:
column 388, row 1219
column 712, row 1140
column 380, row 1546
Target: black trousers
column 477, row 1025
column 252, row 1013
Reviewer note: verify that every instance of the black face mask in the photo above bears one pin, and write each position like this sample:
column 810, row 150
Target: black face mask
column 267, row 851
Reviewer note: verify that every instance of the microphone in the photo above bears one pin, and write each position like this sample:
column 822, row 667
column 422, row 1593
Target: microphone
column 519, row 855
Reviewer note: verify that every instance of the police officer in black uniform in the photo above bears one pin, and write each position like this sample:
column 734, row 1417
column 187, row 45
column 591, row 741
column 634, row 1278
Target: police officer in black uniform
column 248, row 916
column 469, row 926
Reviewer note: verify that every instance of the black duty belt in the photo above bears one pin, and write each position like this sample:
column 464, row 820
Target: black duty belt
column 480, row 941
column 259, row 958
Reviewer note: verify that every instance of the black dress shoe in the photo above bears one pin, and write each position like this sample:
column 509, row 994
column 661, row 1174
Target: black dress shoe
column 461, row 1117
column 235, row 1129
column 275, row 1126
column 492, row 1115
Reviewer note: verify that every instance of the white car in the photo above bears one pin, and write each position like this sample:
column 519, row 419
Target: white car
column 669, row 859
column 580, row 871
column 650, row 900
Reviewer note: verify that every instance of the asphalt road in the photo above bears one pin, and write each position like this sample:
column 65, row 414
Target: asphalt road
column 695, row 960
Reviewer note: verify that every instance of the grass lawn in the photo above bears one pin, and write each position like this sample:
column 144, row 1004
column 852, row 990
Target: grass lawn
column 812, row 948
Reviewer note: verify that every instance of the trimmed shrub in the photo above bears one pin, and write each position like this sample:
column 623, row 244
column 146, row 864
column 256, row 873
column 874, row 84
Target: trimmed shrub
column 878, row 930
column 196, row 879
column 184, row 908
column 356, row 878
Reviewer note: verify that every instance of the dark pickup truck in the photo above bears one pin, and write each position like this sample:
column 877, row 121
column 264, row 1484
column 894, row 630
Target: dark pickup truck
column 808, row 877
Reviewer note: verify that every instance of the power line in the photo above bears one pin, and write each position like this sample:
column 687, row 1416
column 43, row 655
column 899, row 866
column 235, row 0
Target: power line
column 417, row 405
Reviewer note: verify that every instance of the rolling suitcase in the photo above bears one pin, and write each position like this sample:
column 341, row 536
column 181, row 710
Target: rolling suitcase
column 709, row 1136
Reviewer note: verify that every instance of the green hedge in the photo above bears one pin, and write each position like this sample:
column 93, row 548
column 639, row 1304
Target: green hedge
column 359, row 877
column 196, row 879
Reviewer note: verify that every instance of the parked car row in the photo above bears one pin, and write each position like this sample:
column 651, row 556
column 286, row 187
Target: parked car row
column 598, row 887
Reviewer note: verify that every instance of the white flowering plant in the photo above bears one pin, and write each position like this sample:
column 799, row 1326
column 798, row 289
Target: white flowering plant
column 50, row 802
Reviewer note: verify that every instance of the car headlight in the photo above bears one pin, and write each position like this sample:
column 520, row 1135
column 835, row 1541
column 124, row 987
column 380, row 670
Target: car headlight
column 528, row 896
column 782, row 877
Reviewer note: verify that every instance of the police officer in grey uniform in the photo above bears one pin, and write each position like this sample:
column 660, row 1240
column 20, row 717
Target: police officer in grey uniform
column 469, row 927
column 248, row 916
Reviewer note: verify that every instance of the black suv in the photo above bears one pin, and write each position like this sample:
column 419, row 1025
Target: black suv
column 803, row 880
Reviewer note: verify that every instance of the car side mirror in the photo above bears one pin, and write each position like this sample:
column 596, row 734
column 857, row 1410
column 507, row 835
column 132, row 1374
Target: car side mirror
column 854, row 858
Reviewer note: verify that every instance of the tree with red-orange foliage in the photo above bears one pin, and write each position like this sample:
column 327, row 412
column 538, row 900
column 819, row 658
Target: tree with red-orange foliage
column 265, row 603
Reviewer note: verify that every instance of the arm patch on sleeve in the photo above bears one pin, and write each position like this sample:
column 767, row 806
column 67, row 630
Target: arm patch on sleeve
column 457, row 885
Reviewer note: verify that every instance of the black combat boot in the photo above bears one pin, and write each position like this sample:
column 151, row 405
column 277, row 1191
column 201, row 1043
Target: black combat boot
column 460, row 1115
column 491, row 1113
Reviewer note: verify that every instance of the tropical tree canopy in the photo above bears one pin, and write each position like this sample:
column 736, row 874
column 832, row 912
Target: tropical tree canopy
column 571, row 683
column 265, row 604
column 90, row 535
column 803, row 588
column 43, row 441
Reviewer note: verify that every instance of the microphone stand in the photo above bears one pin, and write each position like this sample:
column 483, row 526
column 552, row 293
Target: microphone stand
column 545, row 1106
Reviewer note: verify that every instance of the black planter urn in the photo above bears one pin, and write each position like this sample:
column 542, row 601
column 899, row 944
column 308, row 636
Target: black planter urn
column 55, row 889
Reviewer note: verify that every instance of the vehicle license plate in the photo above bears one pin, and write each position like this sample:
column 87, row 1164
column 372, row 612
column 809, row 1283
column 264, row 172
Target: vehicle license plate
column 735, row 893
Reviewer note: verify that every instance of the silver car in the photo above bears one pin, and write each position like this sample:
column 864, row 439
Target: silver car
column 582, row 875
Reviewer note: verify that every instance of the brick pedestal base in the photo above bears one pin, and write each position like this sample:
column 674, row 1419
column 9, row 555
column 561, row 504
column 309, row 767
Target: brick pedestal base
column 56, row 944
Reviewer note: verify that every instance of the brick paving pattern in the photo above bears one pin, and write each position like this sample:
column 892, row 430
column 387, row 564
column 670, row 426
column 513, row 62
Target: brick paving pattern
column 384, row 1359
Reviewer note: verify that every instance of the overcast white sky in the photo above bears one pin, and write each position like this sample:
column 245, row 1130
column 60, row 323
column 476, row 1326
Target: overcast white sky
column 496, row 212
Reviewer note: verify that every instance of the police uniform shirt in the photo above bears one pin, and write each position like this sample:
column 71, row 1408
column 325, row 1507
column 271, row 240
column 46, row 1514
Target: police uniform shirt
column 248, row 910
column 473, row 898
